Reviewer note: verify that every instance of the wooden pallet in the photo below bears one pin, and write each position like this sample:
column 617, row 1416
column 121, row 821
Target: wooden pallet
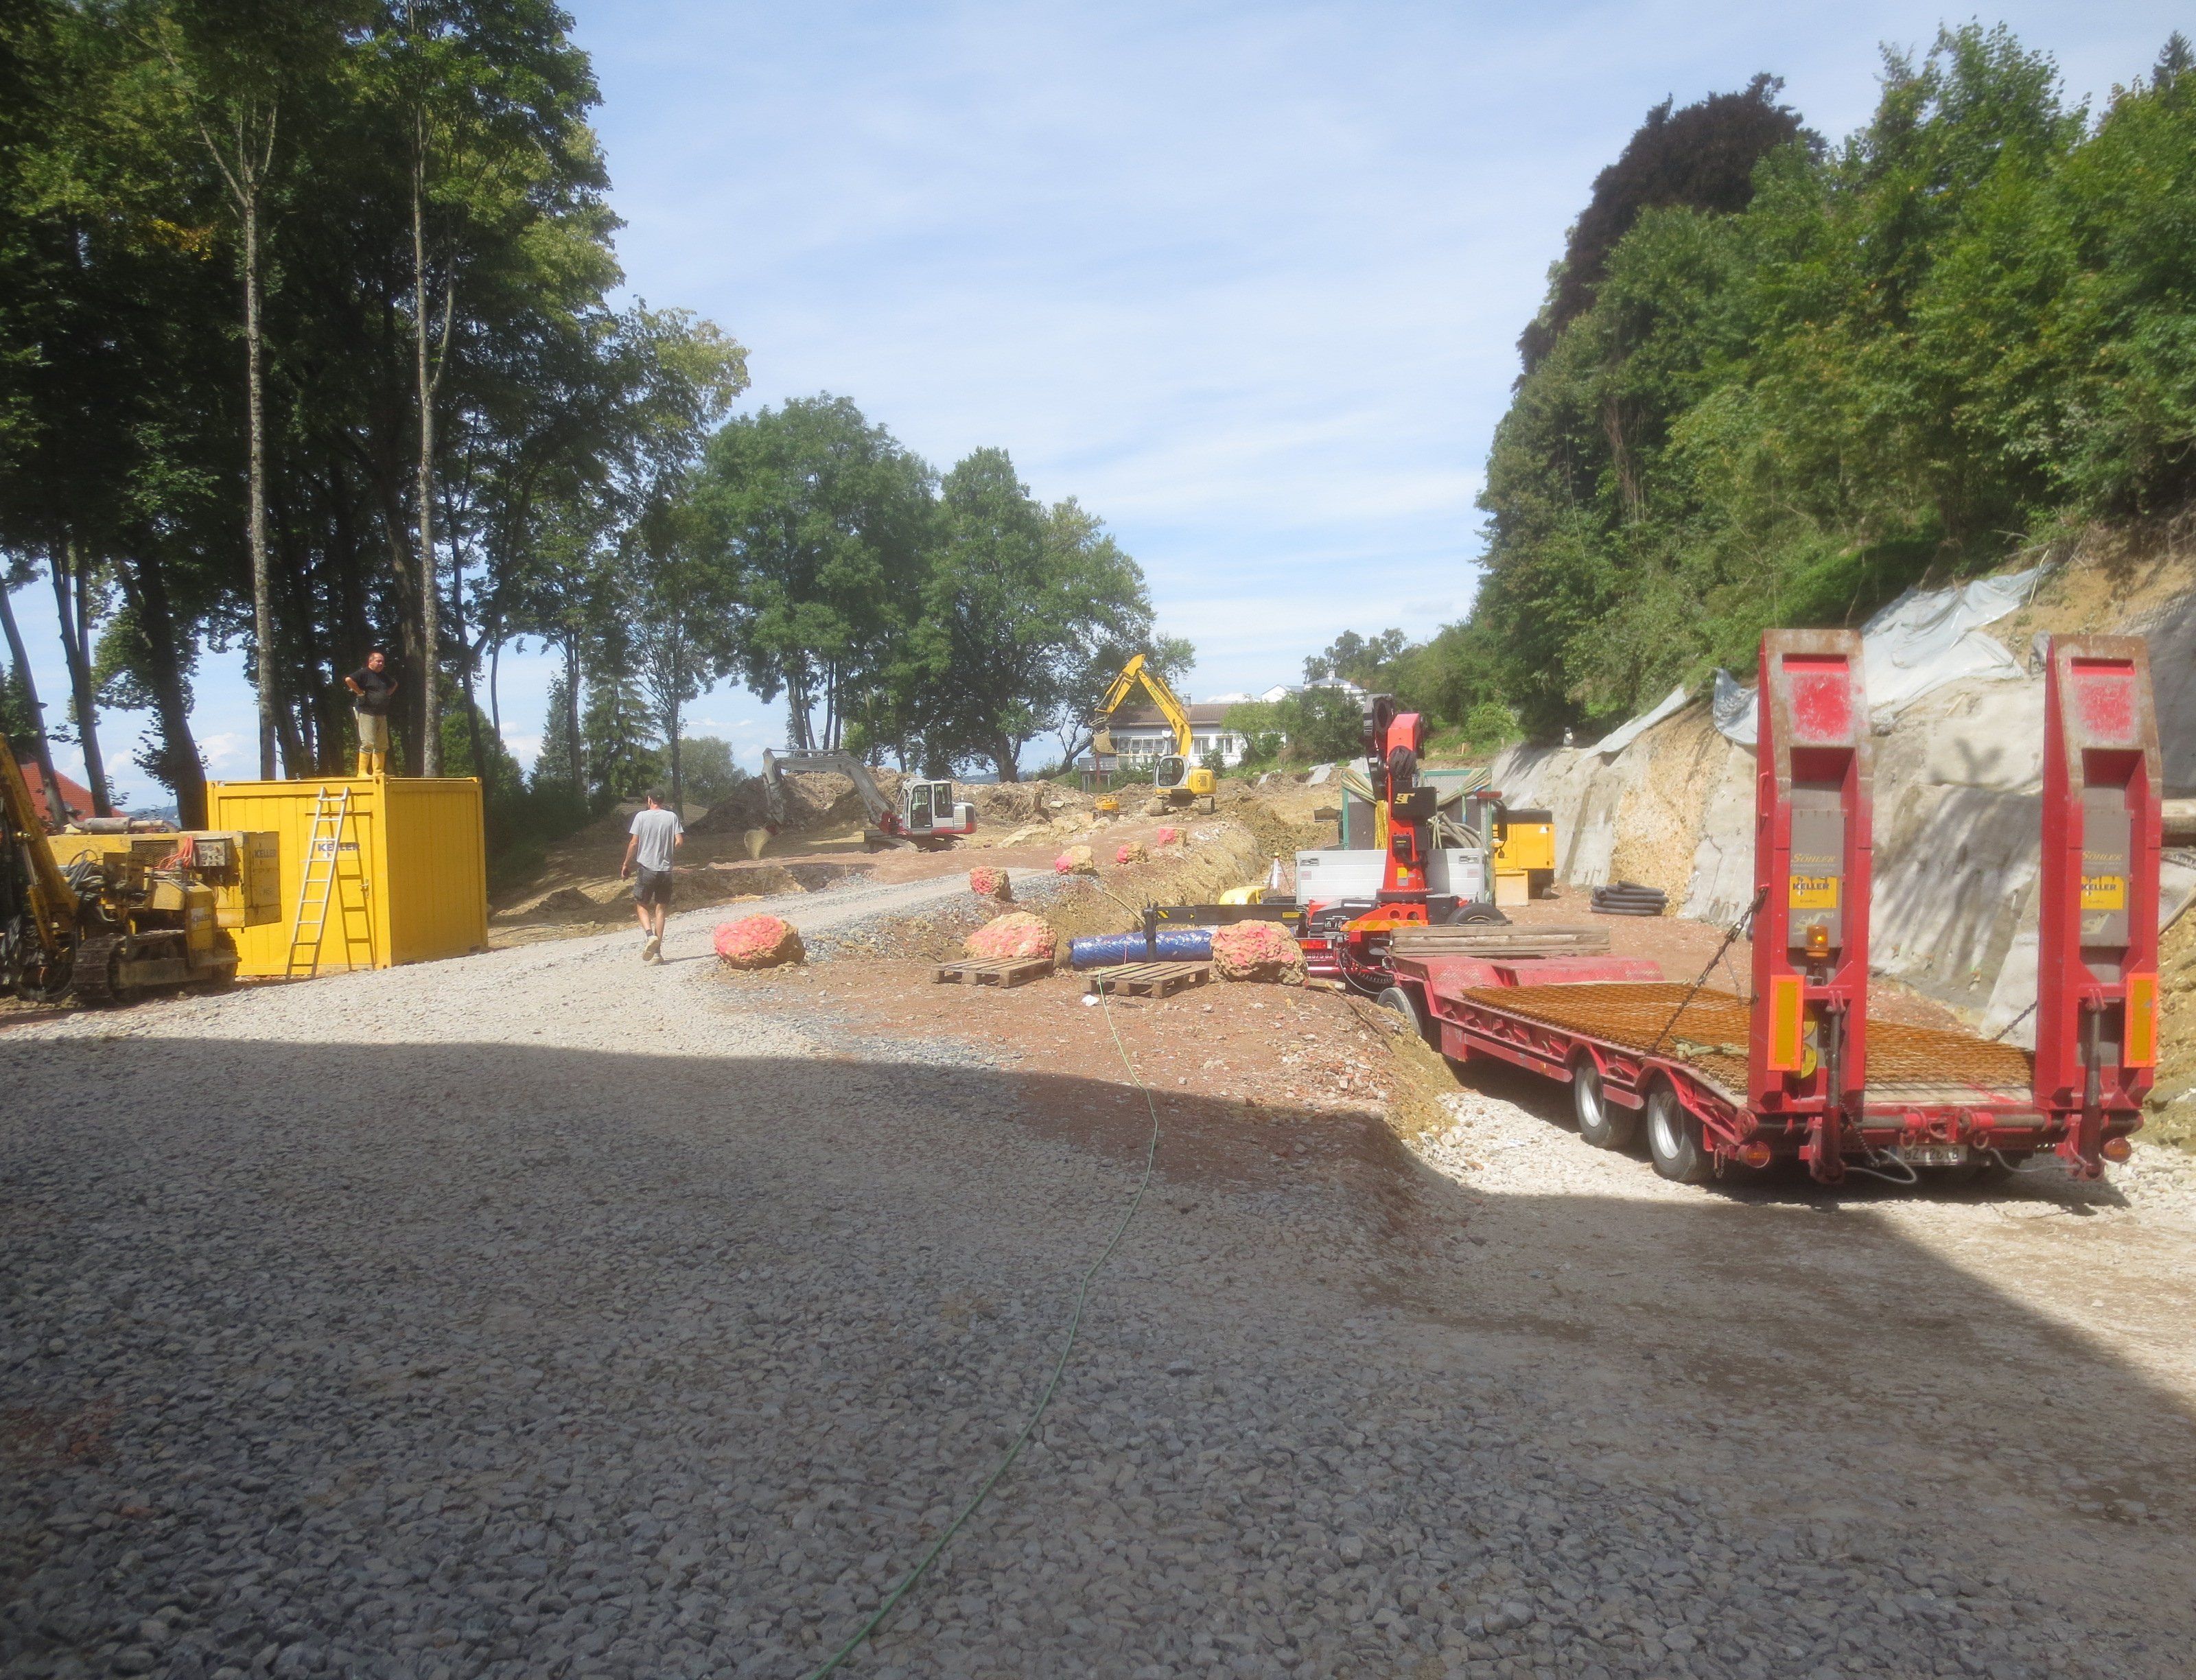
column 1001, row 970
column 1150, row 979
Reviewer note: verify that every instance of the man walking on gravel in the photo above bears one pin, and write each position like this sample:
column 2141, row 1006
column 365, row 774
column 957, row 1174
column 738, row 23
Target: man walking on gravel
column 657, row 835
column 372, row 690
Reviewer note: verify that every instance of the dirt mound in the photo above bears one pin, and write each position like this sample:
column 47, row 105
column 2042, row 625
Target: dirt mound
column 742, row 808
column 1280, row 833
column 814, row 801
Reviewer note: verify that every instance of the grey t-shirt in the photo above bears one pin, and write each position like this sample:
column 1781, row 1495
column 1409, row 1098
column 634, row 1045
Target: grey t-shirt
column 659, row 831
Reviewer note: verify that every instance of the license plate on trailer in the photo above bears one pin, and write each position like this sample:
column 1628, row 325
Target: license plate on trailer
column 1935, row 1155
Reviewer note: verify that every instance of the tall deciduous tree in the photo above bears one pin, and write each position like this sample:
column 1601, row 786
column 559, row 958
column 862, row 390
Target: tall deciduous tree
column 1022, row 607
column 233, row 62
column 818, row 522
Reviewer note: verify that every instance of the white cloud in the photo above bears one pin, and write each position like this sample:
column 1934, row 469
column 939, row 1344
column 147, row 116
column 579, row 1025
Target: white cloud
column 229, row 754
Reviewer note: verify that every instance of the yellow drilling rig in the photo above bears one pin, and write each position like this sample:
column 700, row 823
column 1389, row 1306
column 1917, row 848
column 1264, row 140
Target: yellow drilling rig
column 113, row 908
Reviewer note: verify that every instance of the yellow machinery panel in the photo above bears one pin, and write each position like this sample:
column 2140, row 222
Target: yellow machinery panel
column 1528, row 842
column 241, row 868
column 410, row 872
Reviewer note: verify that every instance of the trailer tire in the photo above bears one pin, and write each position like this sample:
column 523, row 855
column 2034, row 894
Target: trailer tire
column 1402, row 1001
column 1673, row 1137
column 1601, row 1122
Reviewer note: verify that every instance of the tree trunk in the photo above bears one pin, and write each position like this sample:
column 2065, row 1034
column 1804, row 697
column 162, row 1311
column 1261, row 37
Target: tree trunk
column 411, row 642
column 291, row 739
column 57, row 811
column 72, row 608
column 262, row 600
column 494, row 674
column 572, row 713
column 1004, row 755
column 796, row 716
column 430, row 726
column 677, row 781
column 465, row 658
column 180, row 770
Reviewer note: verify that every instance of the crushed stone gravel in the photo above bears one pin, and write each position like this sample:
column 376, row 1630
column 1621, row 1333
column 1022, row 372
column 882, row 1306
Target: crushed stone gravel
column 544, row 1314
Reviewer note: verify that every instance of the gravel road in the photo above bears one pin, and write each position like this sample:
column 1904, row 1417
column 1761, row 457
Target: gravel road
column 540, row 1314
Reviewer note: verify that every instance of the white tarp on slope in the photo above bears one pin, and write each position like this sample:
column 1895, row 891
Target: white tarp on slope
column 1625, row 734
column 1922, row 641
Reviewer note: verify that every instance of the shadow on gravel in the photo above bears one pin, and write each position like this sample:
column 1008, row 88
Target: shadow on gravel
column 286, row 1325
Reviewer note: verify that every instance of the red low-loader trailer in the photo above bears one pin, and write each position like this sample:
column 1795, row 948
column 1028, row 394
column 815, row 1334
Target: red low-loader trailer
column 1800, row 1071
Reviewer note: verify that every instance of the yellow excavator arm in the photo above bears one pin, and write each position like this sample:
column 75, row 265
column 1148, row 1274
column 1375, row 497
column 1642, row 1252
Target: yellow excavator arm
column 1170, row 707
column 1180, row 777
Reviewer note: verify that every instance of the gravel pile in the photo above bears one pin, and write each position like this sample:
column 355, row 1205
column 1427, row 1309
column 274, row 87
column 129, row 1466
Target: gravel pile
column 545, row 1314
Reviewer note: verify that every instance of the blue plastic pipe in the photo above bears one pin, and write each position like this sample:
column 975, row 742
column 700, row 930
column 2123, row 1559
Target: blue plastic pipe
column 1176, row 944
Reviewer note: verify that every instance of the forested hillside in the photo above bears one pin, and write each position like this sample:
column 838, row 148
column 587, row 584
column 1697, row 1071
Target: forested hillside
column 1779, row 378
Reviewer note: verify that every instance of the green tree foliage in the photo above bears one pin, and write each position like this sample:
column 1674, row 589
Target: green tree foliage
column 424, row 175
column 819, row 521
column 947, row 623
column 1702, row 157
column 1028, row 612
column 306, row 347
column 1902, row 356
column 1362, row 660
column 711, row 776
column 1316, row 725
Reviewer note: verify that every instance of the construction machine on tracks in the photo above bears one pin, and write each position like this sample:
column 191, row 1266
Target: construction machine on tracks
column 1177, row 779
column 925, row 816
column 112, row 907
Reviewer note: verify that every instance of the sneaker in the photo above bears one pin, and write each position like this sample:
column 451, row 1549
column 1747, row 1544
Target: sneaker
column 653, row 951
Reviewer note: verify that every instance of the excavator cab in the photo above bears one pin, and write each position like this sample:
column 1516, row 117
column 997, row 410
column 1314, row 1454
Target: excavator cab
column 923, row 803
column 1183, row 779
column 927, row 816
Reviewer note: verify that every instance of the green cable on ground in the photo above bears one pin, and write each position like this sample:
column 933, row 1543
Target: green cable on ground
column 1060, row 1367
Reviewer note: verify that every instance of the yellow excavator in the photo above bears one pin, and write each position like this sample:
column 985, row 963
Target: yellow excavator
column 1178, row 779
column 112, row 907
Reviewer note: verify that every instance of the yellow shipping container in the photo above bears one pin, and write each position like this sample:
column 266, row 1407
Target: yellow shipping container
column 411, row 877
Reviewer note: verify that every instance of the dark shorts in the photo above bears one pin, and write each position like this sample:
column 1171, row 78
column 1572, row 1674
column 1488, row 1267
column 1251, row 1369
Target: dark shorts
column 651, row 887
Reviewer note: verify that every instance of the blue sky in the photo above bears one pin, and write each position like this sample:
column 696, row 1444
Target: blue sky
column 1245, row 278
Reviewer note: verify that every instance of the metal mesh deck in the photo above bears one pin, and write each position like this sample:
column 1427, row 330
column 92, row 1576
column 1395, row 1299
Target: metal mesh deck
column 1905, row 1064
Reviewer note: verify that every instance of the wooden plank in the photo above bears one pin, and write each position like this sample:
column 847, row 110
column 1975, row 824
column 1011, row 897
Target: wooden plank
column 993, row 972
column 1481, row 939
column 1149, row 979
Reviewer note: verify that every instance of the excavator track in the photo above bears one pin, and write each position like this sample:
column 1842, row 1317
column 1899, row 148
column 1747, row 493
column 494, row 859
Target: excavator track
column 98, row 962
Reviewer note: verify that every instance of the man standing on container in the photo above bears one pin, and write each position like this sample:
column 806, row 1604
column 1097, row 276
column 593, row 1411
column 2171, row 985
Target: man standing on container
column 657, row 833
column 372, row 689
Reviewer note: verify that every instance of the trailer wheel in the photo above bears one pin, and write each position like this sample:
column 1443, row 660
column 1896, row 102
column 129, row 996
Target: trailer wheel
column 1673, row 1137
column 1601, row 1122
column 1402, row 1001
